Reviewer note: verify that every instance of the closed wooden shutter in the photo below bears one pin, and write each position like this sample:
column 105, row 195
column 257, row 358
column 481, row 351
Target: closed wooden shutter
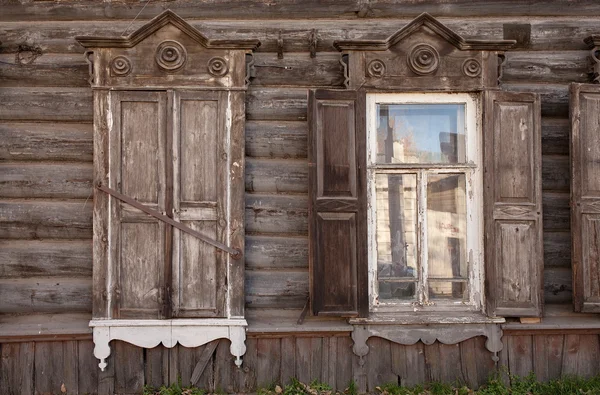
column 585, row 196
column 513, row 204
column 200, row 197
column 137, row 168
column 337, row 209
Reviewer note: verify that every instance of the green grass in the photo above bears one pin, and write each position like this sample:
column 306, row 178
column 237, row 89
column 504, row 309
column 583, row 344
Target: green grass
column 527, row 385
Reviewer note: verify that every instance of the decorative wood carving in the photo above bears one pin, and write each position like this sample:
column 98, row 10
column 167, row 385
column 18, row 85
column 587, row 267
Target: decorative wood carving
column 313, row 40
column 501, row 61
column 169, row 132
column 344, row 63
column 594, row 43
column 424, row 55
column 410, row 334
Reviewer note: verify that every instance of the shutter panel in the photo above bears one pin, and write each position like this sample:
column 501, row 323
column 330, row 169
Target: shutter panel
column 137, row 168
column 513, row 204
column 337, row 209
column 585, row 196
column 200, row 196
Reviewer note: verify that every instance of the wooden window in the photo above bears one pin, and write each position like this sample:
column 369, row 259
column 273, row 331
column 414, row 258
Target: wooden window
column 424, row 193
column 445, row 209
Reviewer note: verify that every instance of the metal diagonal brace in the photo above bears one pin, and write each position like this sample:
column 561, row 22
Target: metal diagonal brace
column 235, row 254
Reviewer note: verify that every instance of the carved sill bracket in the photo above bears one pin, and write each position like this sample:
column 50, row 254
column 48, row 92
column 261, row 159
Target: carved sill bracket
column 593, row 43
column 410, row 334
column 151, row 333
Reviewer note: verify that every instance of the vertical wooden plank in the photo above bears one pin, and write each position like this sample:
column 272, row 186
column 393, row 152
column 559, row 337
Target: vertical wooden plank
column 433, row 364
column 570, row 355
column 245, row 378
column 468, row 362
column 56, row 367
column 87, row 367
column 288, row 359
column 106, row 379
column 129, row 368
column 547, row 356
column 268, row 362
column 187, row 360
column 398, row 356
column 71, row 366
column 303, row 359
column 344, row 363
column 588, row 363
column 316, row 369
column 156, row 369
column 329, row 360
column 503, row 363
column 415, row 365
column 379, row 363
column 520, row 355
column 451, row 369
column 485, row 364
column 17, row 368
column 224, row 368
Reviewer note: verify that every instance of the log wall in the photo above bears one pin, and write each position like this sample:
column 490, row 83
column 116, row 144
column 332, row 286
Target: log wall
column 46, row 157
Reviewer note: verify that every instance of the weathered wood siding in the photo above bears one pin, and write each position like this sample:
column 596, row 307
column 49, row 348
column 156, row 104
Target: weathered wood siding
column 45, row 367
column 46, row 185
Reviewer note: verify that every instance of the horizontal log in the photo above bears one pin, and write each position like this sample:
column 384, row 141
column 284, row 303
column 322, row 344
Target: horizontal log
column 265, row 252
column 276, row 175
column 558, row 286
column 555, row 136
column 46, row 104
column 277, row 214
column 58, row 70
column 46, row 180
column 40, row 219
column 298, row 69
column 39, row 327
column 555, row 97
column 333, row 9
column 556, row 174
column 284, row 289
column 42, row 295
column 287, row 104
column 557, row 249
column 48, row 258
column 557, row 215
column 275, row 139
column 46, row 141
column 548, row 67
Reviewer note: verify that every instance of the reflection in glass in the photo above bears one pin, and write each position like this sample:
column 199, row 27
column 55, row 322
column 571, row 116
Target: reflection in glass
column 446, row 234
column 421, row 133
column 396, row 236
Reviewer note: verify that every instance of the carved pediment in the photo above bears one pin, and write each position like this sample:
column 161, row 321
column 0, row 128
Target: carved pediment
column 424, row 55
column 168, row 51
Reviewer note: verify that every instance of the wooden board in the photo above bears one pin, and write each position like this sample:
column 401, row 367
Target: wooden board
column 275, row 139
column 276, row 176
column 281, row 289
column 46, row 104
column 45, row 295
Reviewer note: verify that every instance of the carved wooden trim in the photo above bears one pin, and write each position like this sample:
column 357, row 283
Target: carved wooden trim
column 501, row 61
column 161, row 20
column 594, row 43
column 151, row 333
column 410, row 334
column 433, row 24
column 250, row 70
column 170, row 55
column 346, row 70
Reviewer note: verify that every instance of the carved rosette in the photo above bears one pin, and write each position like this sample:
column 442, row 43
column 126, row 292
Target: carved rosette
column 217, row 66
column 170, row 55
column 120, row 66
column 423, row 59
column 471, row 68
column 376, row 68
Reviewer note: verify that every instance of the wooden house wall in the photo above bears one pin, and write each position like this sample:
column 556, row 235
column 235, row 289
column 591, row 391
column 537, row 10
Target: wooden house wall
column 46, row 149
column 50, row 367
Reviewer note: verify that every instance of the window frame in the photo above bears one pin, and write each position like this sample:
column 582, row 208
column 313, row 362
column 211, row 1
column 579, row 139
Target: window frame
column 474, row 204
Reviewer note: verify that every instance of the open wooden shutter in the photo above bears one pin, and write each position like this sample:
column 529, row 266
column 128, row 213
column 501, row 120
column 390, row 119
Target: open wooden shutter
column 513, row 204
column 137, row 240
column 585, row 196
column 337, row 208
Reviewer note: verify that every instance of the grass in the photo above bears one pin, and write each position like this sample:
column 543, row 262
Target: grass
column 527, row 385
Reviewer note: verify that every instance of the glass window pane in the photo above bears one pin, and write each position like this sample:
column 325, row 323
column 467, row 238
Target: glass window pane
column 448, row 290
column 396, row 235
column 446, row 226
column 421, row 133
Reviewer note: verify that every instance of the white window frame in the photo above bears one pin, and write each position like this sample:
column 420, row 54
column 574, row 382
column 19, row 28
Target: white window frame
column 474, row 192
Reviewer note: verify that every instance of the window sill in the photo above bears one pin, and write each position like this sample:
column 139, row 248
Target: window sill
column 426, row 318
